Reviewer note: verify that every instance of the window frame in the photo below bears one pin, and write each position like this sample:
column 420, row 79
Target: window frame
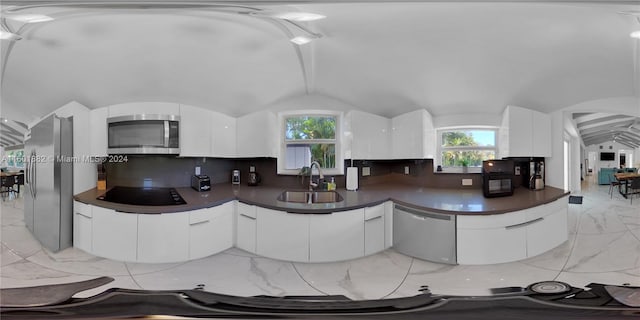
column 458, row 169
column 282, row 116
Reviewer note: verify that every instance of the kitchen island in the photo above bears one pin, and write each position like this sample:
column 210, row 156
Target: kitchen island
column 489, row 230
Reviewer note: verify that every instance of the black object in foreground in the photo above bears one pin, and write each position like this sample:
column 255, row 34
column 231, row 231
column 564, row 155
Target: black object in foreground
column 542, row 300
column 575, row 199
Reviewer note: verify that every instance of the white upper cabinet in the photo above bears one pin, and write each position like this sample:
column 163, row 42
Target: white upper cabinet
column 258, row 135
column 125, row 109
column 98, row 131
column 370, row 136
column 195, row 131
column 223, row 135
column 413, row 136
column 525, row 133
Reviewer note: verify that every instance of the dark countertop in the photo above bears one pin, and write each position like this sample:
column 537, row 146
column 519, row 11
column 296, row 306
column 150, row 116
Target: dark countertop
column 451, row 201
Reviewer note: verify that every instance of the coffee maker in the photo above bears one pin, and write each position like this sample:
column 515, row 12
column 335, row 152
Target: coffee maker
column 536, row 175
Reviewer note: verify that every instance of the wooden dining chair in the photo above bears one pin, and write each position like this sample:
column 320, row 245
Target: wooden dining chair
column 634, row 188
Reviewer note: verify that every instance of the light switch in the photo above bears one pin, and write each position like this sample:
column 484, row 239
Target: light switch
column 467, row 182
column 252, row 169
column 366, row 171
column 406, row 170
column 197, row 171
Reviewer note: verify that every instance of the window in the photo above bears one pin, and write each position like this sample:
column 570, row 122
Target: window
column 15, row 158
column 310, row 137
column 466, row 147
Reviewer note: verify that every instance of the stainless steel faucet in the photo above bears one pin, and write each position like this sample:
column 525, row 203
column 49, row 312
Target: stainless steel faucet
column 311, row 183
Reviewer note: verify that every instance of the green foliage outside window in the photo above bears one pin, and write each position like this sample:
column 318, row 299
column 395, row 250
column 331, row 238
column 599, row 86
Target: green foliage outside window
column 461, row 148
column 15, row 158
column 318, row 133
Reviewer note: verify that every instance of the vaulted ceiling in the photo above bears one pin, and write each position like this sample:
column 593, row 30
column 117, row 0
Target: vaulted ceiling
column 597, row 128
column 384, row 57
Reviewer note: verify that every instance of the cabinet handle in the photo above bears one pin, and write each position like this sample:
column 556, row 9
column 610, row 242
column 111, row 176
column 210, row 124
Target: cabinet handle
column 200, row 222
column 524, row 224
column 374, row 218
column 246, row 216
column 84, row 215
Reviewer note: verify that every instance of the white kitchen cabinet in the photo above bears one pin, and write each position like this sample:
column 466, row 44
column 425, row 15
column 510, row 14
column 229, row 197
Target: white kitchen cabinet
column 98, row 131
column 210, row 230
column 413, row 136
column 114, row 234
column 82, row 226
column 282, row 235
column 131, row 108
column 163, row 237
column 388, row 224
column 511, row 236
column 549, row 228
column 541, row 134
column 223, row 135
column 525, row 133
column 336, row 236
column 374, row 227
column 195, row 132
column 370, row 136
column 258, row 135
column 246, row 227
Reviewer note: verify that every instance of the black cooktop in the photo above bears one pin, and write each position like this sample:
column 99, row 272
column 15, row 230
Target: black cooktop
column 143, row 196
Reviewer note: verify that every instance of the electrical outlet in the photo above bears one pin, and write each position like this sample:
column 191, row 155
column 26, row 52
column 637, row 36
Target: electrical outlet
column 467, row 182
column 197, row 171
column 366, row 171
column 406, row 169
column 252, row 169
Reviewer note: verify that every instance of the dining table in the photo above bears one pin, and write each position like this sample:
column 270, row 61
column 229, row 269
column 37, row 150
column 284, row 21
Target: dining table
column 9, row 174
column 624, row 179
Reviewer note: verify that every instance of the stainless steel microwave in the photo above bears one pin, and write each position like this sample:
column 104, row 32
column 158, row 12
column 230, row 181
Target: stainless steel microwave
column 144, row 134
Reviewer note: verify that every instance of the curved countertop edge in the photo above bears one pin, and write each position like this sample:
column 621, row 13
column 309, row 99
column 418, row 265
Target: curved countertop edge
column 448, row 201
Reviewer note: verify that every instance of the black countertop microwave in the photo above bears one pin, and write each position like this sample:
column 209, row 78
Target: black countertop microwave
column 144, row 134
column 497, row 178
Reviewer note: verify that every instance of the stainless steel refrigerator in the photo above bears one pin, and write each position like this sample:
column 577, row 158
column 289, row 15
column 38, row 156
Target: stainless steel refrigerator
column 48, row 202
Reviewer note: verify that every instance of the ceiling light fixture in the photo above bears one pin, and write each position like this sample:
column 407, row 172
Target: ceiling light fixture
column 29, row 18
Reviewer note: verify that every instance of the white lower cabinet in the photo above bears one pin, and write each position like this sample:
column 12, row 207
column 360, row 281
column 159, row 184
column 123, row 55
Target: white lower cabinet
column 336, row 236
column 246, row 227
column 281, row 235
column 114, row 234
column 511, row 236
column 163, row 237
column 374, row 229
column 210, row 230
column 549, row 230
column 82, row 226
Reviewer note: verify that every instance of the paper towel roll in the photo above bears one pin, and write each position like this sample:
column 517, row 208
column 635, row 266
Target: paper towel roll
column 352, row 178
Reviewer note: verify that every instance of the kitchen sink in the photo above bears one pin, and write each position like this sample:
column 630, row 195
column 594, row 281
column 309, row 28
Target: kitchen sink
column 314, row 196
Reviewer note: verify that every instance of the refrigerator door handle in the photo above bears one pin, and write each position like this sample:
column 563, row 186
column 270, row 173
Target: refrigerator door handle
column 33, row 172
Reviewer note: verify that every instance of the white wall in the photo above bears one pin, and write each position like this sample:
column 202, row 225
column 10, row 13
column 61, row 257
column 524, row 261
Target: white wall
column 555, row 164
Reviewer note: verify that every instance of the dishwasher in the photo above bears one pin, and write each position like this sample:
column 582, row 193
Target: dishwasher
column 426, row 235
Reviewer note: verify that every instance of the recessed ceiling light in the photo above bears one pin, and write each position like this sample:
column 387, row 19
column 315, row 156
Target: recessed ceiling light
column 300, row 40
column 29, row 18
column 5, row 35
column 635, row 34
column 298, row 16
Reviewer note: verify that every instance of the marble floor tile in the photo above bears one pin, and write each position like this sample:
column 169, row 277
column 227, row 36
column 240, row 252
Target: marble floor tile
column 604, row 252
column 76, row 261
column 230, row 274
column 371, row 277
column 135, row 268
column 8, row 257
column 20, row 240
column 604, row 220
column 554, row 259
column 28, row 272
column 470, row 280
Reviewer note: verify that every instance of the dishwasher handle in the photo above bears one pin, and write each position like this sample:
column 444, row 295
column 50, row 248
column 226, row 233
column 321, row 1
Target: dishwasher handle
column 423, row 214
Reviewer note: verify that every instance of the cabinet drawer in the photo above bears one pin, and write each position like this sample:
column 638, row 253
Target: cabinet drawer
column 199, row 216
column 483, row 221
column 246, row 210
column 82, row 208
column 371, row 213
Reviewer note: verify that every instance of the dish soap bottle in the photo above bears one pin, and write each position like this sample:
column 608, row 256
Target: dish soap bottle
column 332, row 184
